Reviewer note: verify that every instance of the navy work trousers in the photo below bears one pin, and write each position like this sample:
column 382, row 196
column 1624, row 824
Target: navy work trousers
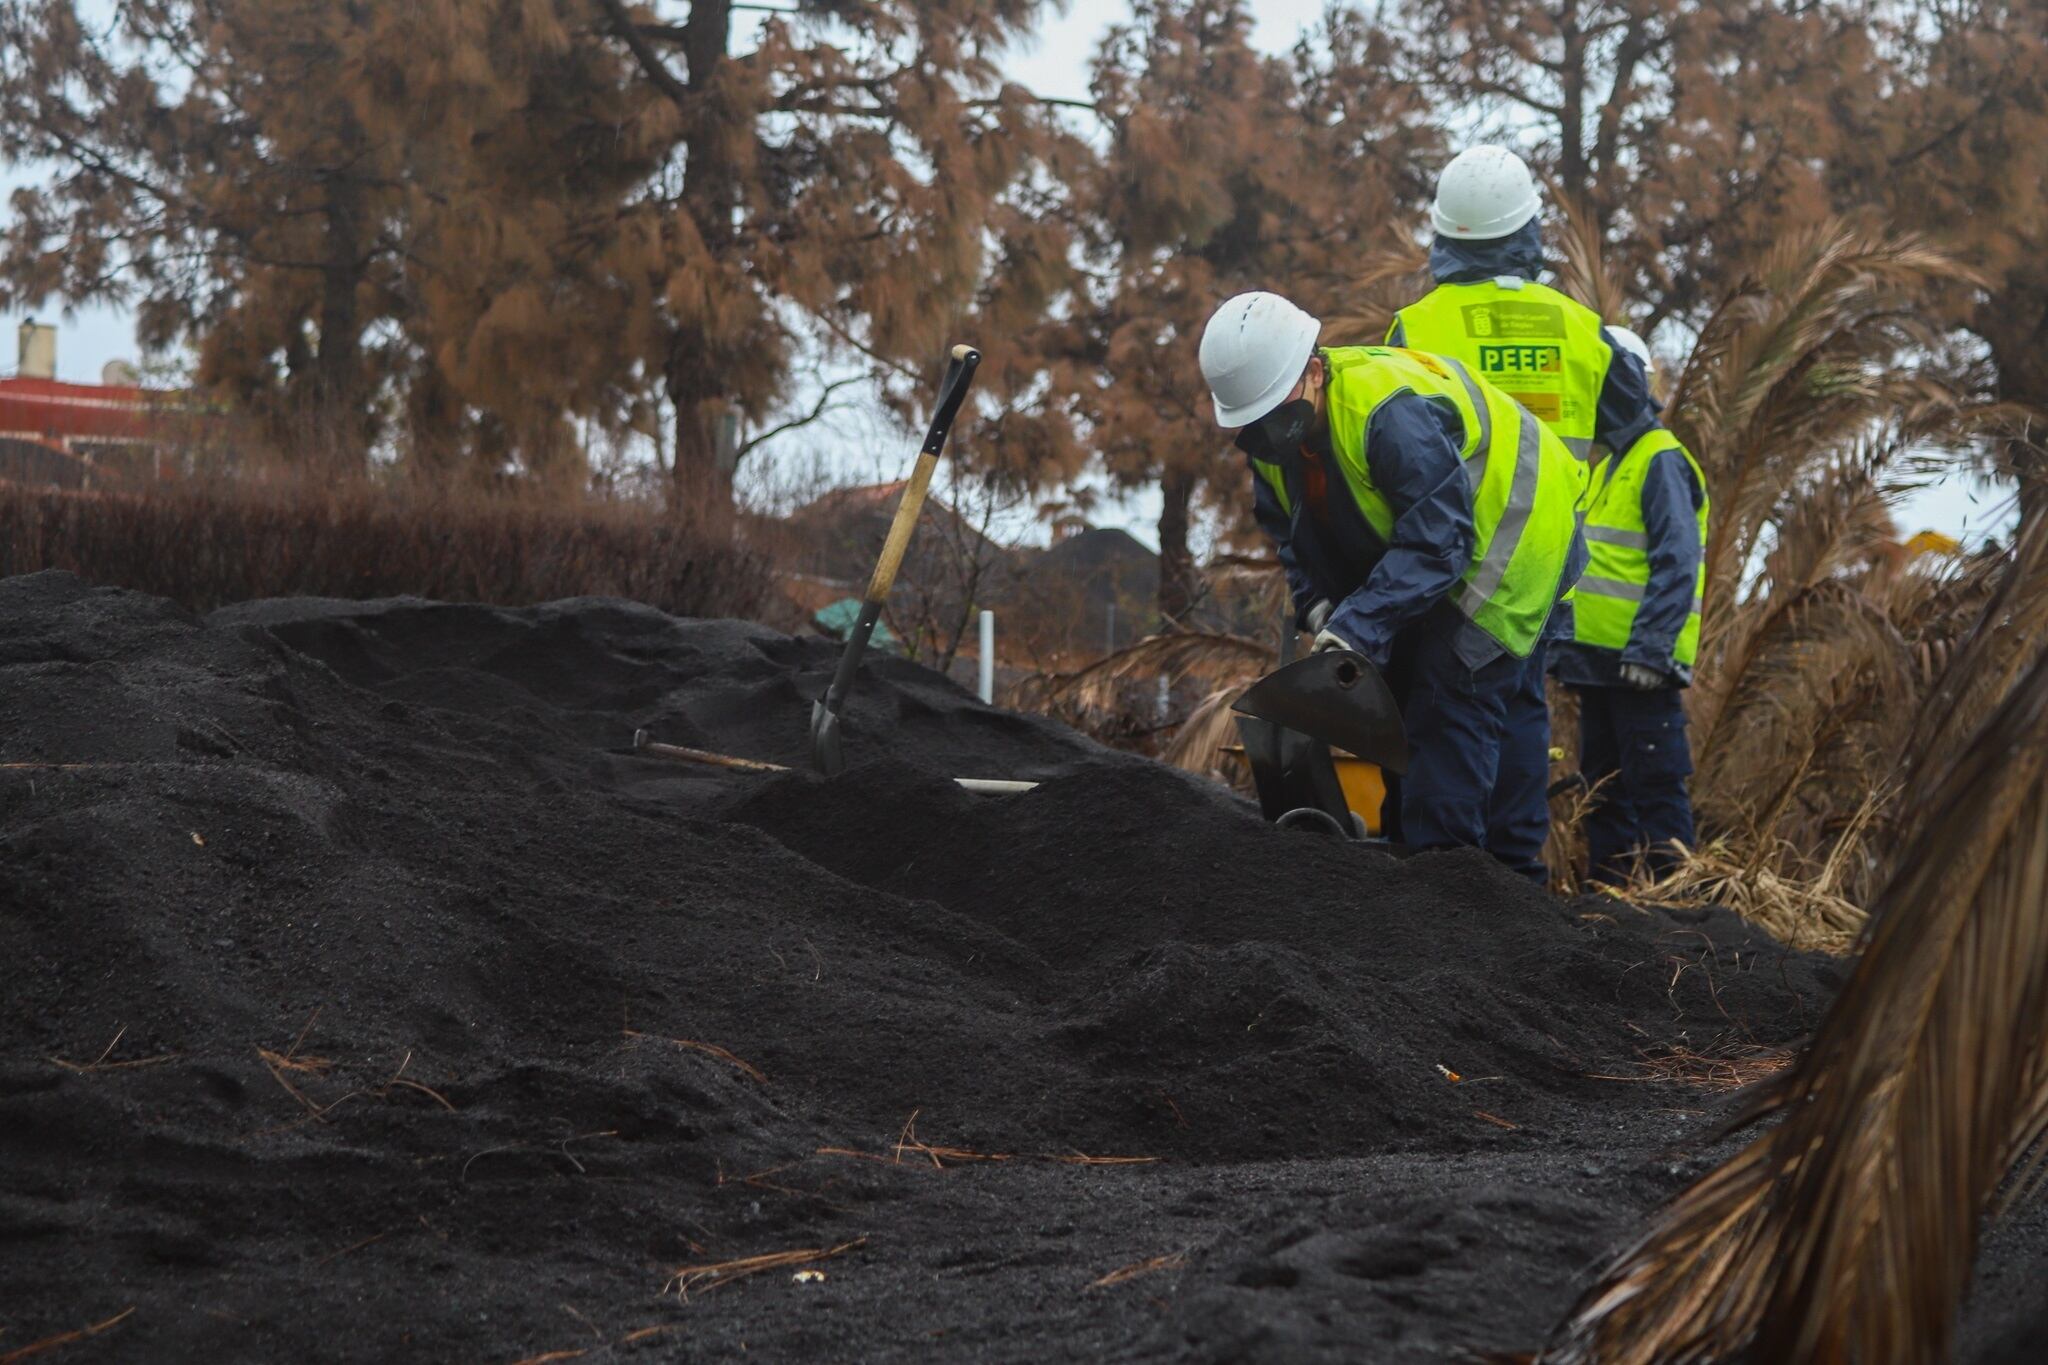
column 1636, row 742
column 1478, row 752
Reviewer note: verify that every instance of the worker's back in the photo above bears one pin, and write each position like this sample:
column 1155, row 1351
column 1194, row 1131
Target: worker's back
column 1541, row 347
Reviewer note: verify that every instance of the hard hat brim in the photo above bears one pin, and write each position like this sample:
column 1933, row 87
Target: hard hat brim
column 1505, row 226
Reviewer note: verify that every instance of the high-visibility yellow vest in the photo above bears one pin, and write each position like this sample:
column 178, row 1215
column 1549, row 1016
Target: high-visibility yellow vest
column 1540, row 347
column 1611, row 591
column 1525, row 484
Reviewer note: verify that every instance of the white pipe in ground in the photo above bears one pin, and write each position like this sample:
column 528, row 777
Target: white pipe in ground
column 988, row 657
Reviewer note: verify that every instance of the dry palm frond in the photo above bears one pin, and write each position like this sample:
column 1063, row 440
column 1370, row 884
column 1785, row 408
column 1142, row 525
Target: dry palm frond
column 1387, row 280
column 1584, row 275
column 1847, row 1231
column 1199, row 744
column 1810, row 351
column 1216, row 659
column 2005, row 638
column 1767, row 885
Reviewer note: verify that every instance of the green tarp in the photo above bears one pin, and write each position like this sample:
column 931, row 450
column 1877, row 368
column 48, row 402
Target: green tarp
column 837, row 619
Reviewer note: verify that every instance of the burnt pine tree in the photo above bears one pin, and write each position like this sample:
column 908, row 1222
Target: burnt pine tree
column 1690, row 165
column 354, row 212
column 1226, row 170
column 842, row 170
column 206, row 172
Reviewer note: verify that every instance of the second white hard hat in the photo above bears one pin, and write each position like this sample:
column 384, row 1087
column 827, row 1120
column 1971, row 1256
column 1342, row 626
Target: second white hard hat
column 1635, row 346
column 1253, row 350
column 1485, row 192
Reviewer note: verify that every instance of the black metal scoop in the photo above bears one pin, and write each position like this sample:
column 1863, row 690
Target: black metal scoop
column 1338, row 697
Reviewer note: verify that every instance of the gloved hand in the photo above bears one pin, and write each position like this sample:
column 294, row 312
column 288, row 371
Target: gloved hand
column 1318, row 615
column 1330, row 639
column 1641, row 678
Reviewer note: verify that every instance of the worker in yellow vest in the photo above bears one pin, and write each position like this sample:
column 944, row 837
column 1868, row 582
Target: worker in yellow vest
column 1425, row 521
column 1549, row 352
column 1635, row 635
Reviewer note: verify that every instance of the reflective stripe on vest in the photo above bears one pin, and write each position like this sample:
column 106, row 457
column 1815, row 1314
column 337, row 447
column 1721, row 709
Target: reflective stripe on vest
column 1610, row 593
column 1540, row 347
column 1525, row 484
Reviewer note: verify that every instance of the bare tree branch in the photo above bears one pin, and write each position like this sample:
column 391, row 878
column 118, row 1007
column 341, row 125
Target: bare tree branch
column 818, row 410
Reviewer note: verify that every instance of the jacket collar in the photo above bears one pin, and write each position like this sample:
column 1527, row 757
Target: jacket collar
column 1453, row 261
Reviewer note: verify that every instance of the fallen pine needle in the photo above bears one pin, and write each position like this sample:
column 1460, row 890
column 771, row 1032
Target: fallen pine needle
column 353, row 1246
column 578, row 1353
column 1171, row 1261
column 710, row 1276
column 1495, row 1121
column 1082, row 1159
column 100, row 1063
column 35, row 1348
column 907, row 1141
column 1718, row 1069
column 708, row 1049
column 284, row 1061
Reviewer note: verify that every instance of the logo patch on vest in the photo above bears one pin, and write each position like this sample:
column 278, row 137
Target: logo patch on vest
column 1521, row 359
column 1511, row 320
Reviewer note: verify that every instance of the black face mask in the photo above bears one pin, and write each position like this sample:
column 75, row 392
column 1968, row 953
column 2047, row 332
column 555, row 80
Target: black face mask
column 1277, row 438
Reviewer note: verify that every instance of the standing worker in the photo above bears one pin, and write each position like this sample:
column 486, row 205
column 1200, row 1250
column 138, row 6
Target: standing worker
column 1635, row 634
column 1424, row 521
column 1546, row 350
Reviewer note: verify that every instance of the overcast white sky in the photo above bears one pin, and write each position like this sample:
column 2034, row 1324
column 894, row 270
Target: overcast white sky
column 1055, row 64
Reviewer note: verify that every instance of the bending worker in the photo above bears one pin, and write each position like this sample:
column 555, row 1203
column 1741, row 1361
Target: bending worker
column 1636, row 632
column 1547, row 351
column 1425, row 521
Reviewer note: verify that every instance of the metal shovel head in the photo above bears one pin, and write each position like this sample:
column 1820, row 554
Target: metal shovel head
column 826, row 753
column 1339, row 698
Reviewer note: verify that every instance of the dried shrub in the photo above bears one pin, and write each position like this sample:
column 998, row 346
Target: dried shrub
column 207, row 544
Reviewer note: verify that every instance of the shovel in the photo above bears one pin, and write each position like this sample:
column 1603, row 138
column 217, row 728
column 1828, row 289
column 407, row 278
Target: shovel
column 1337, row 697
column 826, row 750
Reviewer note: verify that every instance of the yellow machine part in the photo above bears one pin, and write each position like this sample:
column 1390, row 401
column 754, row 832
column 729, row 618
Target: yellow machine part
column 1364, row 787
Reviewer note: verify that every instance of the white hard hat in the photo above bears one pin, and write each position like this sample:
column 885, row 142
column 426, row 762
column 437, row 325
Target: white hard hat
column 1635, row 346
column 1254, row 348
column 1485, row 192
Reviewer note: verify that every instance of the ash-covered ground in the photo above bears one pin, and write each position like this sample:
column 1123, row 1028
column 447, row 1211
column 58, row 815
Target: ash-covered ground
column 367, row 999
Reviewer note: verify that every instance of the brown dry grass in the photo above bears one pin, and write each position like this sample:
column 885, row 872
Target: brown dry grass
column 1774, row 884
column 206, row 544
column 1720, row 1068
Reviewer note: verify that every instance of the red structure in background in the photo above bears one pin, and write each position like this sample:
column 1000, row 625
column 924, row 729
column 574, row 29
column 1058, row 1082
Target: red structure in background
column 75, row 435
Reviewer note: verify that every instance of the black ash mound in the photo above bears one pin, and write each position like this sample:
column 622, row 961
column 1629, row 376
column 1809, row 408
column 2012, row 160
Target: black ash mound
column 426, row 993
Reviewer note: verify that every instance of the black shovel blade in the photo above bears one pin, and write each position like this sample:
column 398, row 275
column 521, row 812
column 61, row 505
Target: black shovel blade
column 827, row 754
column 1339, row 698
